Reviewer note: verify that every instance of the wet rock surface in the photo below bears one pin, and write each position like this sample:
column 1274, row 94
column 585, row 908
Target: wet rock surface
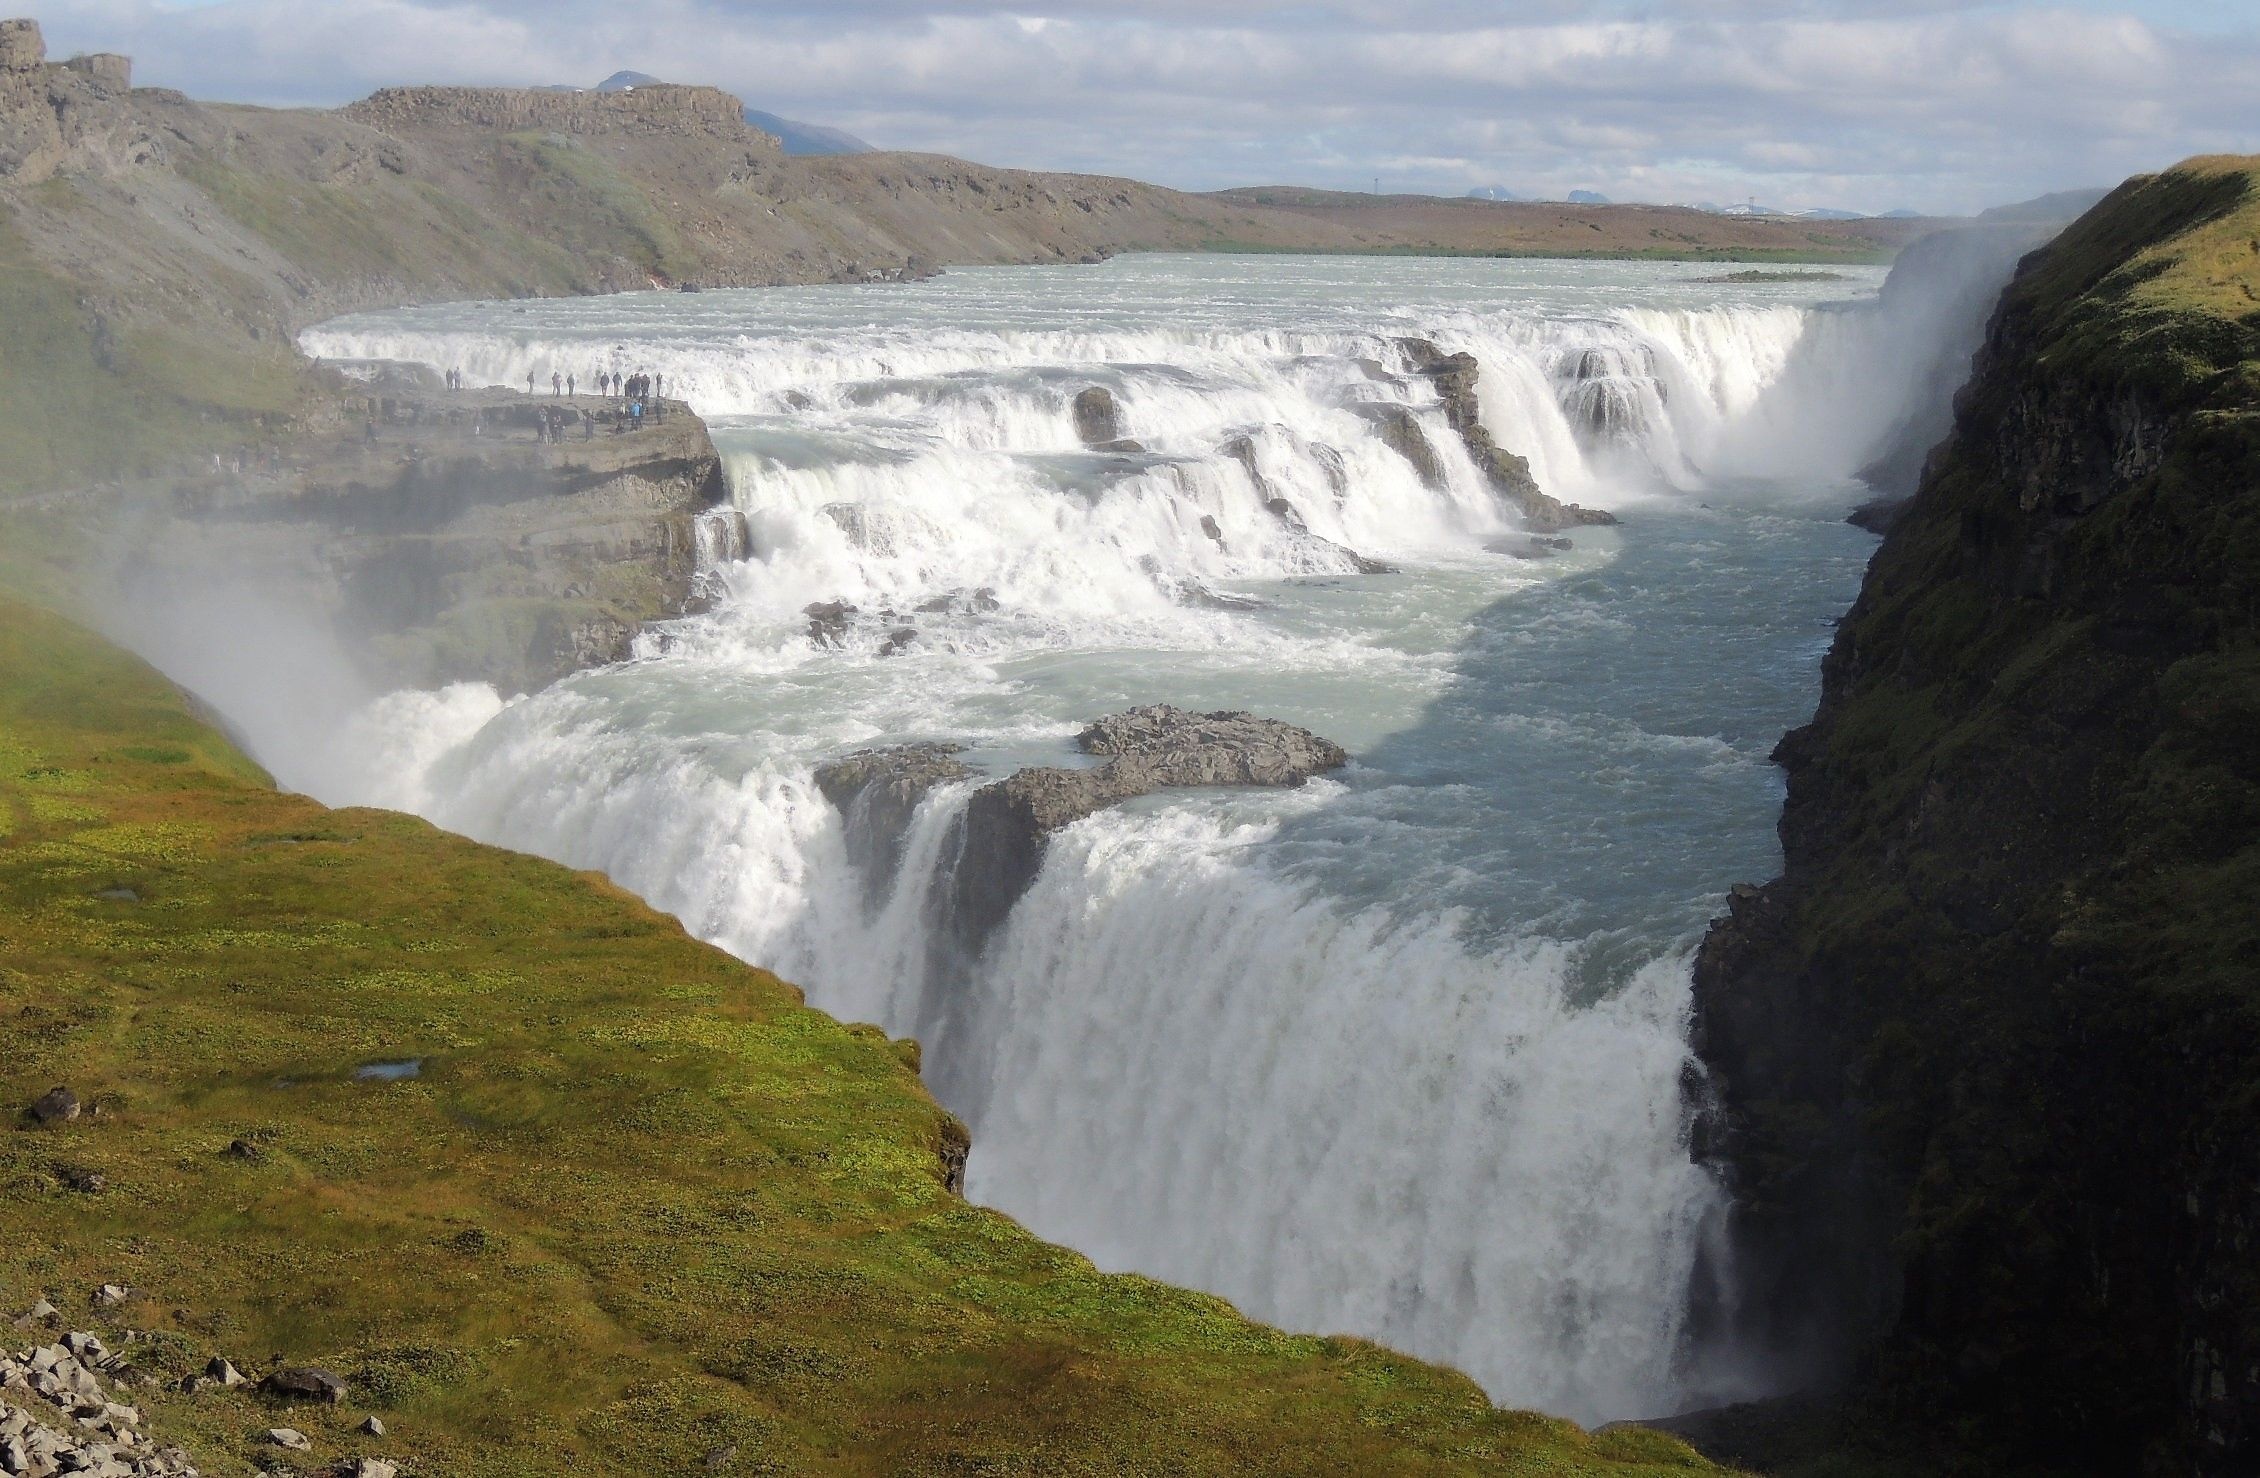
column 828, row 622
column 1007, row 825
column 1002, row 834
column 1098, row 418
column 1455, row 377
column 877, row 791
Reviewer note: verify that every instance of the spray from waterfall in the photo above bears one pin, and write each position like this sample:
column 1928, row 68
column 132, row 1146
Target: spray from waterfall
column 1400, row 1054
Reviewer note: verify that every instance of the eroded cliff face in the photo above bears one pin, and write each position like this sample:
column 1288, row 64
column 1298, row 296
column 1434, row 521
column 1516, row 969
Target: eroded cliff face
column 1986, row 1057
column 443, row 536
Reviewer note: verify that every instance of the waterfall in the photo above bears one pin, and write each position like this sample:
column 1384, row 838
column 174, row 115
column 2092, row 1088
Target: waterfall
column 1400, row 1054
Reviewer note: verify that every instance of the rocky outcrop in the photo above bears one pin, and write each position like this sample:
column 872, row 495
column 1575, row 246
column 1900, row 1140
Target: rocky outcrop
column 1455, row 376
column 1400, row 430
column 877, row 791
column 1986, row 1057
column 660, row 110
column 51, row 111
column 1098, row 419
column 1006, row 825
column 480, row 535
column 61, row 1411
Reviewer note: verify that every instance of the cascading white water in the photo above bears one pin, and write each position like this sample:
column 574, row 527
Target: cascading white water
column 1400, row 1054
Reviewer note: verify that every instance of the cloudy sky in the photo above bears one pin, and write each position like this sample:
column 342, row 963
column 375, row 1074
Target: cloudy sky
column 1859, row 104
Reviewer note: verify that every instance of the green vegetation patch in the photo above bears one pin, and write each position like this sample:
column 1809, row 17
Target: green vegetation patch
column 87, row 396
column 596, row 208
column 635, row 1205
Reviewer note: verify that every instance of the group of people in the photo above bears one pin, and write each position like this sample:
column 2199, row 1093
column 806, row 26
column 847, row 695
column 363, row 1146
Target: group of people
column 639, row 394
column 631, row 388
column 551, row 426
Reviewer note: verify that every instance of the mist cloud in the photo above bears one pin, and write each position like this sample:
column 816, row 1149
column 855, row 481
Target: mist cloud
column 1940, row 106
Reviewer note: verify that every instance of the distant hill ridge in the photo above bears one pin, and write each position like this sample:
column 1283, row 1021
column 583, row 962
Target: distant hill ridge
column 123, row 350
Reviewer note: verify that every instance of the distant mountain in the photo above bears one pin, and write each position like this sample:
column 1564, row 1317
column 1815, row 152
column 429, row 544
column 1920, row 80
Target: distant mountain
column 807, row 138
column 1901, row 214
column 1588, row 197
column 796, row 136
column 1749, row 208
column 1492, row 192
column 1825, row 213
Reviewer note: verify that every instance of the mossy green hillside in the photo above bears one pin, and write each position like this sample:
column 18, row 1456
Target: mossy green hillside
column 640, row 1203
column 1992, row 1047
column 90, row 395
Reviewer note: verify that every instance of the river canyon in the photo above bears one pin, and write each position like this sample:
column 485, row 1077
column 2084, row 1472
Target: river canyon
column 1402, row 1052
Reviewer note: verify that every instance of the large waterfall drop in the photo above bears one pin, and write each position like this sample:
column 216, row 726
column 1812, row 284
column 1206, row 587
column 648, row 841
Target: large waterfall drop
column 1401, row 1053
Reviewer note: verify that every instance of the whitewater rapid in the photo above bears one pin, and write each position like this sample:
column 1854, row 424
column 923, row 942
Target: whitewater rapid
column 1402, row 1053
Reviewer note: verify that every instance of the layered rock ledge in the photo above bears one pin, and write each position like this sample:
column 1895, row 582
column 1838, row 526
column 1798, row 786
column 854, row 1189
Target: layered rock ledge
column 479, row 535
column 660, row 109
column 1455, row 377
column 1008, row 823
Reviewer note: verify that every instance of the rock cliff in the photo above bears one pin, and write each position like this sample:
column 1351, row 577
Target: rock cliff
column 1455, row 377
column 1008, row 823
column 1986, row 1056
column 661, row 110
column 478, row 535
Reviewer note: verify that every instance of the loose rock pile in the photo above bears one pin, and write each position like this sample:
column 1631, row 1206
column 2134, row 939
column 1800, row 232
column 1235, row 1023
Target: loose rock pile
column 63, row 1412
column 57, row 1416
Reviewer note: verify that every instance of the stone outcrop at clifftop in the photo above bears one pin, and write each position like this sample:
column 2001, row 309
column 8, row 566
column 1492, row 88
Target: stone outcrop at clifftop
column 48, row 110
column 683, row 112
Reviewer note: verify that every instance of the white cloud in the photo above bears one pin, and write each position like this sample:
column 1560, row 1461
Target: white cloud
column 1935, row 103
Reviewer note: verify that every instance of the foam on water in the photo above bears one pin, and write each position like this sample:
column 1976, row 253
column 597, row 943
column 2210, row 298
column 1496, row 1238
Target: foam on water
column 1400, row 1054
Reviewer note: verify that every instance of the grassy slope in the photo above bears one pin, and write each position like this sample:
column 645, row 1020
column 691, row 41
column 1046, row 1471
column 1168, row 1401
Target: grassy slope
column 2027, row 829
column 81, row 400
column 642, row 1203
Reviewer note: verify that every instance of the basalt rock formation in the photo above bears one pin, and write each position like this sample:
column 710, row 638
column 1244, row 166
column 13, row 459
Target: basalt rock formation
column 877, row 791
column 1986, row 1056
column 659, row 110
column 475, row 535
column 1006, row 825
column 1454, row 376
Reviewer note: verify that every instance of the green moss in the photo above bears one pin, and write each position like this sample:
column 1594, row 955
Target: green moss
column 2014, row 986
column 640, row 1204
column 596, row 207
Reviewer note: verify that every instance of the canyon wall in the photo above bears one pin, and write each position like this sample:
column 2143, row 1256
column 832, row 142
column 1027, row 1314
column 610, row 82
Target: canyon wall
column 1986, row 1057
column 445, row 536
